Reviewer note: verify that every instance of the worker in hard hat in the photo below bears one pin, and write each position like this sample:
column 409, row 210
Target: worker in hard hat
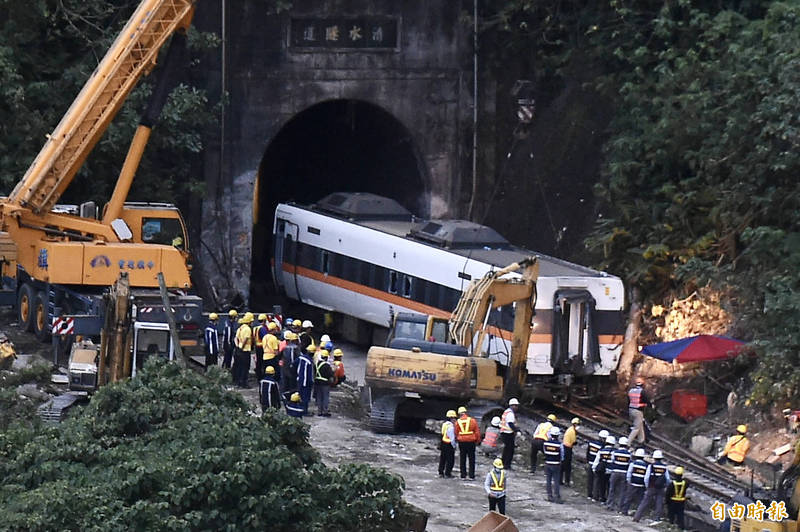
column 655, row 480
column 244, row 347
column 447, row 446
column 635, row 480
column 592, row 448
column 618, row 472
column 637, row 401
column 211, row 339
column 322, row 383
column 491, row 438
column 570, row 439
column 259, row 332
column 539, row 437
column 676, row 498
column 305, row 376
column 269, row 392
column 270, row 349
column 468, row 435
column 601, row 468
column 737, row 446
column 553, row 456
column 495, row 486
column 508, row 431
column 339, row 375
column 228, row 337
column 294, row 407
column 305, row 336
column 289, row 357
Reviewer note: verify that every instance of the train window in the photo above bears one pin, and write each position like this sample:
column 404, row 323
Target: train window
column 407, row 286
column 326, row 262
column 392, row 282
column 313, row 230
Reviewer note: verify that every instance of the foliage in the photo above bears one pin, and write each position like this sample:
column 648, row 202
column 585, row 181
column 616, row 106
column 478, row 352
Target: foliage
column 48, row 48
column 173, row 450
column 13, row 407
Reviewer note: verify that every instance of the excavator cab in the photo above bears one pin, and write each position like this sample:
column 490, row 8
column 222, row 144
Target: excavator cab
column 421, row 327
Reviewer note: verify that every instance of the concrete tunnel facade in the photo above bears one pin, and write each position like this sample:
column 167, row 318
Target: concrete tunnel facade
column 308, row 116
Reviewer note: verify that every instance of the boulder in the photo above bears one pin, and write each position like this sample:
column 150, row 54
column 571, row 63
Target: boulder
column 702, row 445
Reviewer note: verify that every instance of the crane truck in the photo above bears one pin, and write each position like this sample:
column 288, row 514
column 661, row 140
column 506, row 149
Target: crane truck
column 56, row 262
column 416, row 377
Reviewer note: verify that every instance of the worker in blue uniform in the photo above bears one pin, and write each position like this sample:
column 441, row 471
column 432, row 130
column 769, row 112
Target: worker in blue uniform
column 305, row 376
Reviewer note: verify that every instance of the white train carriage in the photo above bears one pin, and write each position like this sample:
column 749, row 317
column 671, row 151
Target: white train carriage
column 367, row 257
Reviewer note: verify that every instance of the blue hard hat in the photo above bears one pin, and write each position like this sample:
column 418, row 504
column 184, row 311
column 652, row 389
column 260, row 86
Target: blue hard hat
column 329, row 346
column 288, row 321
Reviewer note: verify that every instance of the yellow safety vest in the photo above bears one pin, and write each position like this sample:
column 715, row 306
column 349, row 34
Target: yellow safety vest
column 570, row 436
column 498, row 484
column 542, row 430
column 446, row 425
column 680, row 491
column 736, row 449
column 270, row 345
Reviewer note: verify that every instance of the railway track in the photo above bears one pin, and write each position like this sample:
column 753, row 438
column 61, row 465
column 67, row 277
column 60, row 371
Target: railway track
column 707, row 477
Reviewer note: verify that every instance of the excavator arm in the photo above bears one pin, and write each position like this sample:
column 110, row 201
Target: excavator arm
column 132, row 55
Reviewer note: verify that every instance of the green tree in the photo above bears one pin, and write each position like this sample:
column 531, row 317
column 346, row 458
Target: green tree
column 173, row 450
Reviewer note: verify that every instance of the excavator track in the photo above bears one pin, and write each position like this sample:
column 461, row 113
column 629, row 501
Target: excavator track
column 383, row 416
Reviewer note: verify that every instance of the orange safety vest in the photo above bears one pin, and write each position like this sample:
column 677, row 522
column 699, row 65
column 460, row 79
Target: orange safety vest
column 680, row 491
column 542, row 430
column 464, row 431
column 504, row 421
column 498, row 484
column 736, row 450
column 445, row 426
column 635, row 397
column 490, row 438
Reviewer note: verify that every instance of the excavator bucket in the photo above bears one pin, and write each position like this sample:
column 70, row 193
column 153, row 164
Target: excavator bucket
column 494, row 522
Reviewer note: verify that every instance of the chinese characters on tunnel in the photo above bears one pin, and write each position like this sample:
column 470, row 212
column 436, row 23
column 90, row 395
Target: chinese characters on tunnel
column 344, row 33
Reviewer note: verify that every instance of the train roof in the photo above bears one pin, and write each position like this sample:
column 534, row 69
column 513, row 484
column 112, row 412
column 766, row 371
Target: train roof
column 467, row 239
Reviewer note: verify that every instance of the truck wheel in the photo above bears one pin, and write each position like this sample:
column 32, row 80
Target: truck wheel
column 41, row 323
column 25, row 298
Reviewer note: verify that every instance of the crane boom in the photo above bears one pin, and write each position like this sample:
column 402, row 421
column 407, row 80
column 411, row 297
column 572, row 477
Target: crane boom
column 133, row 53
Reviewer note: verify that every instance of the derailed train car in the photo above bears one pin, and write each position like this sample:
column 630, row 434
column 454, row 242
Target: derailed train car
column 367, row 258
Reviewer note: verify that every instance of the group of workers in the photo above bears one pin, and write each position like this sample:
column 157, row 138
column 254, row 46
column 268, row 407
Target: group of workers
column 290, row 365
column 622, row 480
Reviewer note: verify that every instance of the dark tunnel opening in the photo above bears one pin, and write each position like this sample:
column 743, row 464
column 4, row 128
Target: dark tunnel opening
column 338, row 145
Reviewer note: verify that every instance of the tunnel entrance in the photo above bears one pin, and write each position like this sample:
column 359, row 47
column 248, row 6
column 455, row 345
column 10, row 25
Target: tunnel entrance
column 337, row 145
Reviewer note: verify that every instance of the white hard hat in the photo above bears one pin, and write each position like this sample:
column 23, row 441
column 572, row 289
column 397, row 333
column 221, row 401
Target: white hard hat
column 513, row 401
column 324, row 339
column 640, row 453
column 658, row 454
column 496, row 421
column 611, row 440
column 623, row 441
column 555, row 431
column 603, row 434
column 307, row 324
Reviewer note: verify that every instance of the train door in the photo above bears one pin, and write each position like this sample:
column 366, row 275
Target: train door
column 575, row 347
column 285, row 253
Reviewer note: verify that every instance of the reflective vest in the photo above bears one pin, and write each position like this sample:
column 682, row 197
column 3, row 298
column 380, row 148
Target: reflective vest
column 490, row 439
column 445, row 427
column 680, row 491
column 591, row 451
column 318, row 377
column 498, row 484
column 244, row 338
column 635, row 398
column 637, row 473
column 508, row 413
column 620, row 459
column 552, row 452
column 258, row 334
column 605, row 457
column 464, row 432
column 657, row 471
column 541, row 430
column 737, row 448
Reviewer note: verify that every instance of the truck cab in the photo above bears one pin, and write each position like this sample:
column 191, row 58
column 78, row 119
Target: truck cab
column 156, row 223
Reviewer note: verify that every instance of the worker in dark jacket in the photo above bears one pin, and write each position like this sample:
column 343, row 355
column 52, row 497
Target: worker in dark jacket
column 228, row 336
column 635, row 480
column 591, row 453
column 294, row 407
column 617, row 480
column 656, row 480
column 269, row 391
column 289, row 358
column 553, row 457
column 447, row 446
column 602, row 469
column 305, row 376
column 676, row 499
column 211, row 338
column 322, row 383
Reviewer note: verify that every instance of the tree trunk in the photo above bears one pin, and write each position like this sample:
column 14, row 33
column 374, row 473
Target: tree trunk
column 630, row 346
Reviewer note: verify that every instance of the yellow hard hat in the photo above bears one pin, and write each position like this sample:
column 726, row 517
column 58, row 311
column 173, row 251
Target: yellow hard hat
column 551, row 417
column 451, row 413
column 462, row 409
column 232, row 313
column 311, row 348
column 323, row 353
column 295, row 397
column 289, row 335
column 337, row 352
column 272, row 326
column 498, row 463
column 270, row 370
column 177, row 241
column 297, row 323
column 679, row 470
column 576, row 421
column 741, row 429
column 248, row 318
column 213, row 316
column 262, row 317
